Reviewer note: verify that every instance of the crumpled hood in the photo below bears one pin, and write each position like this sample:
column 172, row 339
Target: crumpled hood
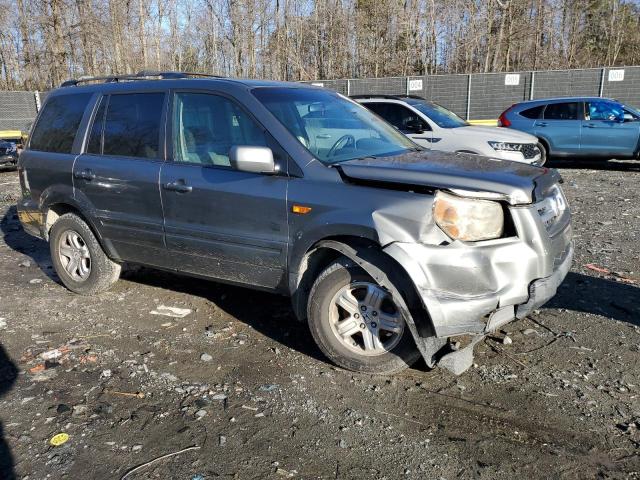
column 514, row 180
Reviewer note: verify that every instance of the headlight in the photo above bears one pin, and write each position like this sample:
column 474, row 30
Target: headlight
column 468, row 219
column 505, row 146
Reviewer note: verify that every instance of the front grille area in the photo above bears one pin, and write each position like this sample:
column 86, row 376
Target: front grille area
column 529, row 150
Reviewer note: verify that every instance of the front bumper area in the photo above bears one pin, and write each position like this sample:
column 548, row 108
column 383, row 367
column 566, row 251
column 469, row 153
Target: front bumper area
column 8, row 159
column 31, row 218
column 476, row 288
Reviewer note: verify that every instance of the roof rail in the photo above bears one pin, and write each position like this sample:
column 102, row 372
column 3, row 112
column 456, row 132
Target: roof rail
column 389, row 97
column 142, row 75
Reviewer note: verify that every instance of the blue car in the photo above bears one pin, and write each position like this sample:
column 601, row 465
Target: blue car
column 578, row 127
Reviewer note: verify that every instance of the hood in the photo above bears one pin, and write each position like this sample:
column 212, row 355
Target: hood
column 495, row 134
column 516, row 182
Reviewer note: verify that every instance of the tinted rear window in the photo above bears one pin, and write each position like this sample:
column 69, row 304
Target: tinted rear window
column 132, row 125
column 58, row 123
column 532, row 112
column 562, row 111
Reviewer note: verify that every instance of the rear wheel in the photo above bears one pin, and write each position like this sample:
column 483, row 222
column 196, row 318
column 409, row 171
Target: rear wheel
column 356, row 323
column 78, row 258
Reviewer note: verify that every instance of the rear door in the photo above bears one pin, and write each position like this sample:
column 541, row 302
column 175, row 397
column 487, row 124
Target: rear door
column 403, row 118
column 560, row 125
column 221, row 222
column 605, row 131
column 117, row 175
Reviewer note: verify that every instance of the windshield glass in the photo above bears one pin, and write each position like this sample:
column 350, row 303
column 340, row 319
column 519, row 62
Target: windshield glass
column 331, row 127
column 439, row 115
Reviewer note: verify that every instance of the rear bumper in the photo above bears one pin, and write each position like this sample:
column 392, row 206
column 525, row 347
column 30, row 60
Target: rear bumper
column 31, row 218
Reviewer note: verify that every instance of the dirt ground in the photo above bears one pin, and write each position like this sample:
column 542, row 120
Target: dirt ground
column 561, row 401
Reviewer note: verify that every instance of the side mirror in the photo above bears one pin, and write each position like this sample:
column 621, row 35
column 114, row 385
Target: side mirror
column 252, row 159
column 415, row 126
column 628, row 117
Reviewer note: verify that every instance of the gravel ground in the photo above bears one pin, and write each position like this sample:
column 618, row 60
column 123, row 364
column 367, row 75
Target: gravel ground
column 242, row 382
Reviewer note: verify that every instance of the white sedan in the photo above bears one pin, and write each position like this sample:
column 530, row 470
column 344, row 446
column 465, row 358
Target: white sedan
column 433, row 126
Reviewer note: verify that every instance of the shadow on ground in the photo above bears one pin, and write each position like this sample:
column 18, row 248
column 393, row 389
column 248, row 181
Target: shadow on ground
column 600, row 296
column 594, row 164
column 8, row 375
column 20, row 241
column 267, row 313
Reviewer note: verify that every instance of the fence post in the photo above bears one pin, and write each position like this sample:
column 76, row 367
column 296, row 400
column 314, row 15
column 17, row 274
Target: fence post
column 602, row 81
column 468, row 97
column 348, row 87
column 36, row 95
column 531, row 86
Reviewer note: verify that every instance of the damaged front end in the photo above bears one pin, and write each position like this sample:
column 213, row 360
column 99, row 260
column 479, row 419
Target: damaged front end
column 473, row 287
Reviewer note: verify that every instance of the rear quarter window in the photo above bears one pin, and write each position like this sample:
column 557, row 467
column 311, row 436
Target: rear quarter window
column 532, row 113
column 58, row 123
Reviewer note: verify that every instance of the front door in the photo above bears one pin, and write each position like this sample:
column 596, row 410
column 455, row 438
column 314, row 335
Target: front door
column 605, row 131
column 117, row 175
column 221, row 222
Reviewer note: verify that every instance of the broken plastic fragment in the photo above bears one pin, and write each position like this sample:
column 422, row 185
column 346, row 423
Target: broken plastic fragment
column 59, row 439
column 174, row 312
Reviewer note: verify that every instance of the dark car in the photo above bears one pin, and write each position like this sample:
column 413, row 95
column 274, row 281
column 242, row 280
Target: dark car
column 8, row 153
column 579, row 126
column 387, row 250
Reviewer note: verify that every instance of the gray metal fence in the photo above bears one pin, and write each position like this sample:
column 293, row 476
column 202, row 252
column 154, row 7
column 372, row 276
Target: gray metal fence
column 482, row 96
column 478, row 96
column 18, row 109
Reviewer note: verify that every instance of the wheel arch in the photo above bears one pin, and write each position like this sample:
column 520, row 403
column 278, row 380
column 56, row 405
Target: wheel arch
column 370, row 256
column 54, row 210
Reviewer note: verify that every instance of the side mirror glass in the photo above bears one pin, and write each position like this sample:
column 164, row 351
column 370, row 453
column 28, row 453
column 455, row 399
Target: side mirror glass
column 415, row 126
column 252, row 159
column 628, row 117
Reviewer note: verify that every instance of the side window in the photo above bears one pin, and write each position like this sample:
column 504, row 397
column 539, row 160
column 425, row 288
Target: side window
column 206, row 126
column 532, row 113
column 95, row 137
column 132, row 125
column 397, row 115
column 58, row 123
column 562, row 111
column 604, row 111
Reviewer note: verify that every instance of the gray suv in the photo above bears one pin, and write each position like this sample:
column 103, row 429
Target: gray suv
column 387, row 250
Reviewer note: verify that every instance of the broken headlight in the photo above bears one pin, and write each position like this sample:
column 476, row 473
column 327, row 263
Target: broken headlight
column 468, row 219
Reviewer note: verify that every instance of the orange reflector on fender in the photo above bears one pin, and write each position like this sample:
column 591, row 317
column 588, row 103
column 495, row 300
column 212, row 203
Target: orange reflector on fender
column 300, row 209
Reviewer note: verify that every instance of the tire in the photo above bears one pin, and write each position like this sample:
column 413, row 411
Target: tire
column 94, row 272
column 392, row 352
column 543, row 154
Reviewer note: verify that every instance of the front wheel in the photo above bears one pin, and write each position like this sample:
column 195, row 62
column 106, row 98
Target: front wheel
column 543, row 154
column 356, row 323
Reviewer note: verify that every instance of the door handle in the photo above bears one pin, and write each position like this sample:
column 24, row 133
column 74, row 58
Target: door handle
column 86, row 174
column 323, row 135
column 590, row 125
column 178, row 186
column 541, row 124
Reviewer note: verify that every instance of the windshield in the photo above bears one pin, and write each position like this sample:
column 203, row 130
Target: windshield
column 439, row 115
column 331, row 127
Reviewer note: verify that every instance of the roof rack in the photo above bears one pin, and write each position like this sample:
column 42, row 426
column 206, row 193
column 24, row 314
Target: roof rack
column 142, row 75
column 389, row 97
